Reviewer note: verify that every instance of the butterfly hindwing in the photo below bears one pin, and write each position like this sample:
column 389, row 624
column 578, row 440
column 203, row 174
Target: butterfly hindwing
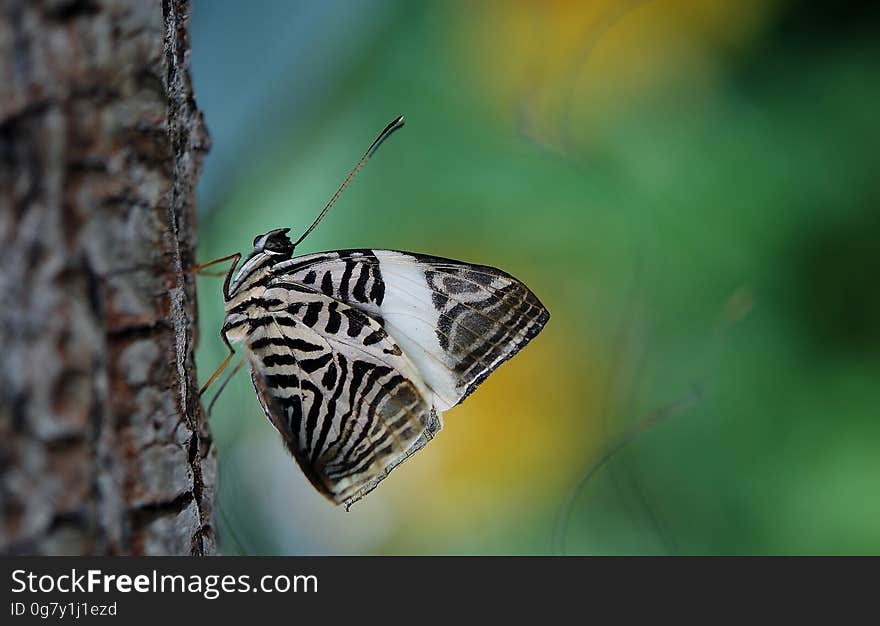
column 456, row 321
column 344, row 396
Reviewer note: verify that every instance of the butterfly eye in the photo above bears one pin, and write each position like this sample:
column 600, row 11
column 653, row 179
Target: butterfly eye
column 276, row 242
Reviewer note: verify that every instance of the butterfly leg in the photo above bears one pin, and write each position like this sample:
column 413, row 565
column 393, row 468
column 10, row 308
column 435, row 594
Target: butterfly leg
column 201, row 266
column 235, row 258
column 211, row 274
column 217, row 372
column 225, row 382
column 199, row 269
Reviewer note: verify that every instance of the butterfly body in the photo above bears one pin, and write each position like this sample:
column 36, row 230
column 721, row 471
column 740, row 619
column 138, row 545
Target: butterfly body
column 355, row 354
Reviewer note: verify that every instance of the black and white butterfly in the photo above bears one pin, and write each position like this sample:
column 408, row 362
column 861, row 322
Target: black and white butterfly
column 356, row 354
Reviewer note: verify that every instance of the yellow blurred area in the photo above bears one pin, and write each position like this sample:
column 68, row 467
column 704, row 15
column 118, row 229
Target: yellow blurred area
column 520, row 438
column 558, row 68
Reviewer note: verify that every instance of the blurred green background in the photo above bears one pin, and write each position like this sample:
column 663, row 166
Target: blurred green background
column 689, row 186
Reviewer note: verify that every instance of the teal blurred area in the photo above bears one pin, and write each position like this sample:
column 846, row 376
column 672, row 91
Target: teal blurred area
column 689, row 186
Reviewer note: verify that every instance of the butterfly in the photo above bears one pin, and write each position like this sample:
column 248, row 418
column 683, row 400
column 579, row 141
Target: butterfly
column 355, row 354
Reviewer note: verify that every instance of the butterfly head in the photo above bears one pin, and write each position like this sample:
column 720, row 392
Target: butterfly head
column 275, row 243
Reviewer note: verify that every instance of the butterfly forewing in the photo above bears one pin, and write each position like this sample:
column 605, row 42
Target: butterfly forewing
column 456, row 321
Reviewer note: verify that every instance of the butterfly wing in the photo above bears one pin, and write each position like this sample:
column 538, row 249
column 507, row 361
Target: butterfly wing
column 457, row 322
column 344, row 396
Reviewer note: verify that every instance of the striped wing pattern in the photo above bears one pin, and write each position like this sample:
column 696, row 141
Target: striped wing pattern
column 457, row 321
column 355, row 354
column 340, row 391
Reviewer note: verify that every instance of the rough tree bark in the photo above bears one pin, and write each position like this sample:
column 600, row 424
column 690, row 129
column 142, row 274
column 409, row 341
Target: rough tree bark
column 103, row 445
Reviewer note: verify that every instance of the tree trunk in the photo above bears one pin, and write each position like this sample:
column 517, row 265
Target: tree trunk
column 103, row 445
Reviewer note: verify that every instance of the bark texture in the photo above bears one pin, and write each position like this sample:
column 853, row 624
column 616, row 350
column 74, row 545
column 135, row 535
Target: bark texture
column 103, row 445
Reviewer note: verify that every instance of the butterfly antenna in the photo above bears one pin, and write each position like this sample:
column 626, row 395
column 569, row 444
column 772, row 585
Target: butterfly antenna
column 385, row 134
